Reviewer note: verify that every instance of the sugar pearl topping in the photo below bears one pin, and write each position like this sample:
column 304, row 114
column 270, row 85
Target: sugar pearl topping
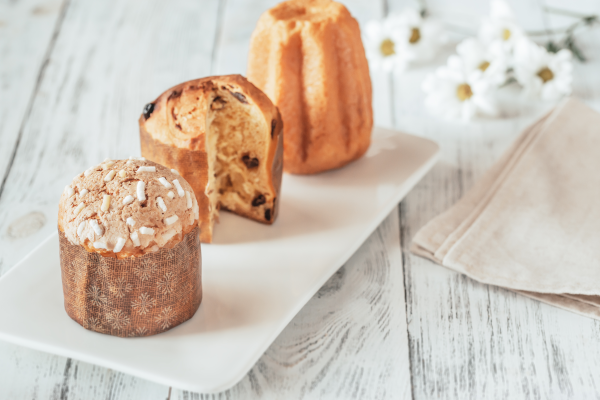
column 79, row 208
column 105, row 202
column 171, row 220
column 135, row 239
column 109, row 176
column 146, row 231
column 161, row 204
column 107, row 164
column 97, row 228
column 188, row 199
column 180, row 191
column 165, row 182
column 130, row 207
column 80, row 228
column 141, row 186
column 119, row 246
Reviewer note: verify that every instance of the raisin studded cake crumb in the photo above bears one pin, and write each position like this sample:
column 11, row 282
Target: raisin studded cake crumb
column 148, row 110
column 251, row 162
column 259, row 200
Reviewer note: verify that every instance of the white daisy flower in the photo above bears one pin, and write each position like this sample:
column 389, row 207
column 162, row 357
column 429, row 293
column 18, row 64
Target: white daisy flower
column 490, row 59
column 543, row 74
column 381, row 45
column 457, row 91
column 420, row 38
column 402, row 38
column 501, row 26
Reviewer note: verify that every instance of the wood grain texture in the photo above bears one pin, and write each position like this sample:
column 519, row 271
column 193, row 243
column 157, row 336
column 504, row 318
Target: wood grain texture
column 109, row 59
column 348, row 342
column 469, row 340
column 27, row 33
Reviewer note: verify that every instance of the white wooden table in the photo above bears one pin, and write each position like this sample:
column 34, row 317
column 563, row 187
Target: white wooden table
column 74, row 76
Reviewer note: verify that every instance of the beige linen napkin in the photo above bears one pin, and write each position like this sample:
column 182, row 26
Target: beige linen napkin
column 532, row 223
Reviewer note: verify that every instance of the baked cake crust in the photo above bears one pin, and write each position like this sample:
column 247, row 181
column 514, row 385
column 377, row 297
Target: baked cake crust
column 173, row 132
column 104, row 204
column 308, row 57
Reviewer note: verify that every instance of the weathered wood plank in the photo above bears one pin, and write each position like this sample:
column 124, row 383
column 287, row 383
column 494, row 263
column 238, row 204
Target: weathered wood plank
column 348, row 342
column 26, row 37
column 108, row 60
column 469, row 340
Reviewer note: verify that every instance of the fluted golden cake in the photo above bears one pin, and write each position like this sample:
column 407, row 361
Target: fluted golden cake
column 308, row 57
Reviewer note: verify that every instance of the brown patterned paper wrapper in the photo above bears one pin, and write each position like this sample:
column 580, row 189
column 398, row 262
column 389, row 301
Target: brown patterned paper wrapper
column 131, row 297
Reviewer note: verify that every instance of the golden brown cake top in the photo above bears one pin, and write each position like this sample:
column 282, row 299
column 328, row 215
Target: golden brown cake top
column 307, row 10
column 127, row 208
column 178, row 116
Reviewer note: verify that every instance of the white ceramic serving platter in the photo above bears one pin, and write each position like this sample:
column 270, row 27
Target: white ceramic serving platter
column 255, row 277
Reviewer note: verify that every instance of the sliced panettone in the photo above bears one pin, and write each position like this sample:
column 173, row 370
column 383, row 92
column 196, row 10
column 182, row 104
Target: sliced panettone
column 224, row 136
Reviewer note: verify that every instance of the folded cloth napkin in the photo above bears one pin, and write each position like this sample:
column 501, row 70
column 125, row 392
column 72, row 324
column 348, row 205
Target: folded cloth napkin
column 532, row 223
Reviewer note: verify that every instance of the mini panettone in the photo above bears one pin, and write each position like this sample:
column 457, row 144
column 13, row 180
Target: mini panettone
column 308, row 57
column 224, row 136
column 129, row 248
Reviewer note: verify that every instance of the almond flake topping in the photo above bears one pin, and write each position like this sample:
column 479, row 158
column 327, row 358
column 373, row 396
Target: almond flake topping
column 146, row 169
column 105, row 202
column 78, row 208
column 109, row 176
column 146, row 231
column 128, row 199
column 80, row 228
column 97, row 228
column 108, row 164
column 188, row 198
column 141, row 186
column 100, row 245
column 165, row 182
column 161, row 204
column 135, row 239
column 180, row 191
column 171, row 220
column 119, row 245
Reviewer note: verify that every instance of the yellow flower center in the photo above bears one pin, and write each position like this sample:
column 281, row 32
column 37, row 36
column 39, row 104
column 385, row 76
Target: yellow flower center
column 387, row 47
column 506, row 34
column 415, row 36
column 545, row 74
column 464, row 92
column 484, row 65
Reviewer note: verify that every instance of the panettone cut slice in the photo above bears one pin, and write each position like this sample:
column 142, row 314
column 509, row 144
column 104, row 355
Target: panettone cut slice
column 224, row 136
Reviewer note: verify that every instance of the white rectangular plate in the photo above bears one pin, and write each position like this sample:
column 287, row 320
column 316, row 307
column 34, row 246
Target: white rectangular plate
column 255, row 277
